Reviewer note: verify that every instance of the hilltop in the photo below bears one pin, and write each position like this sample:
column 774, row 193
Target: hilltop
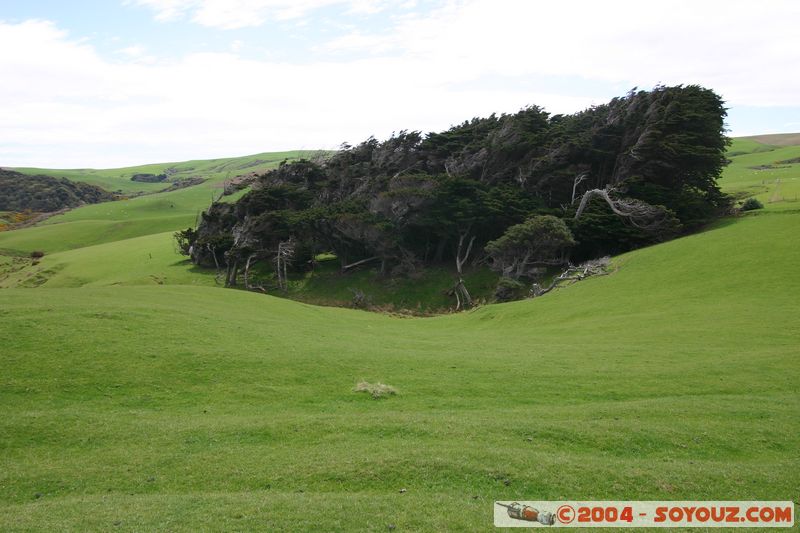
column 775, row 139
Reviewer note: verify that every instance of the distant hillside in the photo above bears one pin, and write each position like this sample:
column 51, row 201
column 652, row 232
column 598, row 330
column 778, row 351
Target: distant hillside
column 19, row 192
column 776, row 139
column 769, row 173
column 133, row 180
column 162, row 209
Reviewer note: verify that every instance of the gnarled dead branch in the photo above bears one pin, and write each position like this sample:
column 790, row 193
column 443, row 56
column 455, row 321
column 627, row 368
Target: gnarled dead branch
column 595, row 267
column 640, row 214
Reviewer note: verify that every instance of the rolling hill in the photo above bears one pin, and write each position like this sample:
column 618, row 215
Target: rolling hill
column 136, row 395
column 775, row 139
column 119, row 179
column 137, row 216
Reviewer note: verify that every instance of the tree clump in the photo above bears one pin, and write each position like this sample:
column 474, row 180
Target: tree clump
column 149, row 178
column 540, row 241
column 518, row 191
column 45, row 194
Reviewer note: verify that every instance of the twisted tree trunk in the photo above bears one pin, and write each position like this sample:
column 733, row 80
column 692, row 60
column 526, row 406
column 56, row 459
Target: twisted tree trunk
column 463, row 299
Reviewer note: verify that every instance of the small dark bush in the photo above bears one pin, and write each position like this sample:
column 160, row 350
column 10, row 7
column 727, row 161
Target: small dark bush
column 508, row 289
column 149, row 178
column 36, row 254
column 752, row 203
column 360, row 299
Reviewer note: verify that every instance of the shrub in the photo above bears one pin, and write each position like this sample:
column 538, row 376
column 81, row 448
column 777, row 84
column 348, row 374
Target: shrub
column 37, row 254
column 376, row 390
column 751, row 203
column 508, row 289
column 542, row 239
column 360, row 299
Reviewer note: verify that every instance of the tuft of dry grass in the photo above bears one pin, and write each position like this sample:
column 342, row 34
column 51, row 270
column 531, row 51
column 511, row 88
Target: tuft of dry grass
column 376, row 390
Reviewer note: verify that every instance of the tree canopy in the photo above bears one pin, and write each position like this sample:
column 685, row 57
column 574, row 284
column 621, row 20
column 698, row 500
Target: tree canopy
column 542, row 240
column 505, row 184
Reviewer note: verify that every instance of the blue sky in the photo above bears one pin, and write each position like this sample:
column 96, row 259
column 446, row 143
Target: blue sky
column 112, row 83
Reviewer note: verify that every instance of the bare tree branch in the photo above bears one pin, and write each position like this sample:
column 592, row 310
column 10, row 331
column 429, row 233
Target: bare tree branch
column 640, row 214
column 357, row 263
column 577, row 181
column 595, row 267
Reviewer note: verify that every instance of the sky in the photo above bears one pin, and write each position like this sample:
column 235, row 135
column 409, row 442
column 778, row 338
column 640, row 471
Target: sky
column 122, row 82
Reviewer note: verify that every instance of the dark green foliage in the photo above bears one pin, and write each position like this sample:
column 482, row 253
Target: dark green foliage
column 524, row 248
column 19, row 192
column 599, row 232
column 184, row 240
column 409, row 201
column 751, row 204
column 509, row 289
column 149, row 178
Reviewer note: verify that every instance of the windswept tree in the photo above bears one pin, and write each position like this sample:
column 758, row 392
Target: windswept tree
column 540, row 241
column 459, row 215
column 636, row 170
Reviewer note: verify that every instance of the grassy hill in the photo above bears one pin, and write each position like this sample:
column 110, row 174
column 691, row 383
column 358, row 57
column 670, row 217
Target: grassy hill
column 136, row 395
column 119, row 179
column 775, row 139
column 770, row 173
column 134, row 217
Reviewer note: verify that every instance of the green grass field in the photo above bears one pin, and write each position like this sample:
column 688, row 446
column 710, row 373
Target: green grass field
column 135, row 395
column 764, row 172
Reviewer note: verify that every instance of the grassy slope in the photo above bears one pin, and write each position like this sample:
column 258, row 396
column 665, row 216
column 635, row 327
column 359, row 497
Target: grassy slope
column 775, row 139
column 190, row 407
column 146, row 260
column 778, row 186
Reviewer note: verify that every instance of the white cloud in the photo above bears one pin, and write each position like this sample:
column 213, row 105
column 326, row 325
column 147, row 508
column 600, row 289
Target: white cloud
column 137, row 54
column 68, row 106
column 236, row 46
column 165, row 10
column 357, row 41
column 234, row 14
column 746, row 54
column 132, row 51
